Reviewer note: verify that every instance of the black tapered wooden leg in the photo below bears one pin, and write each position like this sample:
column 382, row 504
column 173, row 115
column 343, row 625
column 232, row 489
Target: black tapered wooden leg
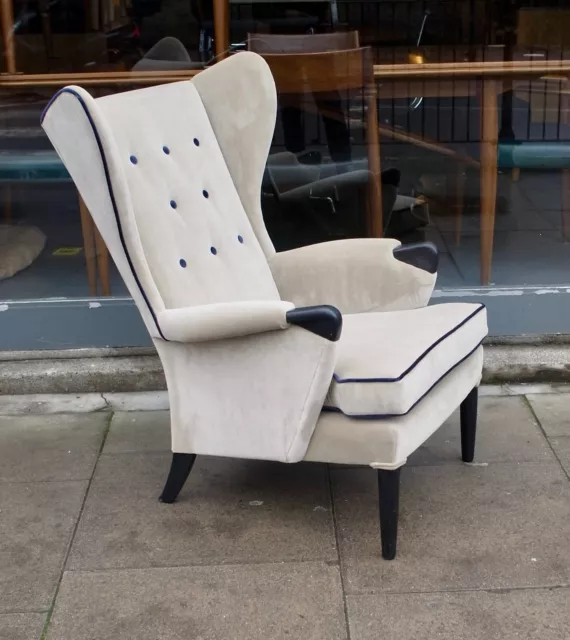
column 182, row 464
column 468, row 413
column 389, row 498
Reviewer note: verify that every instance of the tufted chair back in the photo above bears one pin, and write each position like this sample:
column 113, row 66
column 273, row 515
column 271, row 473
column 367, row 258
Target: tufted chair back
column 165, row 199
column 172, row 176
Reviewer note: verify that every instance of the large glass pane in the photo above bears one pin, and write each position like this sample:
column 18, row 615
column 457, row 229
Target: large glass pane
column 475, row 159
column 49, row 247
column 481, row 160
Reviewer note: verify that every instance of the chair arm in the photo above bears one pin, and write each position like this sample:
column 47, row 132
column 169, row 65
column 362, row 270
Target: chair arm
column 357, row 275
column 324, row 321
column 223, row 320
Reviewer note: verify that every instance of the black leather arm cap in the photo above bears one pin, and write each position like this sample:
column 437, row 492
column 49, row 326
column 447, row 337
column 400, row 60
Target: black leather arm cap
column 323, row 320
column 423, row 255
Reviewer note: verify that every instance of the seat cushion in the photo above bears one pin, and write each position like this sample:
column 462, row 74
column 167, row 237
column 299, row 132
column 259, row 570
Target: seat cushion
column 385, row 443
column 387, row 362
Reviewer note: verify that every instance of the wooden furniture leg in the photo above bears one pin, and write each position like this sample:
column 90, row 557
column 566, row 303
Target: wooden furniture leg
column 103, row 264
column 88, row 230
column 7, row 25
column 565, row 208
column 375, row 217
column 460, row 180
column 221, row 28
column 516, row 174
column 489, row 143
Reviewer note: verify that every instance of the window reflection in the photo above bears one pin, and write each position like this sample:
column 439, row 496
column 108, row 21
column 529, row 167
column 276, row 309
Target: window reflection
column 477, row 163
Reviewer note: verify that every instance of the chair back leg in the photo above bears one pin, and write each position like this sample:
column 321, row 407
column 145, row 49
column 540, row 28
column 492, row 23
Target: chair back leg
column 182, row 464
column 468, row 416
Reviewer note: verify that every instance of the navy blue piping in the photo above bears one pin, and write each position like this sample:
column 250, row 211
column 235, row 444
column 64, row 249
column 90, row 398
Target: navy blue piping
column 385, row 416
column 110, row 187
column 414, row 364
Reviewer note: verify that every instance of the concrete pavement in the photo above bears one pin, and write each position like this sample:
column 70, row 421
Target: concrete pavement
column 256, row 550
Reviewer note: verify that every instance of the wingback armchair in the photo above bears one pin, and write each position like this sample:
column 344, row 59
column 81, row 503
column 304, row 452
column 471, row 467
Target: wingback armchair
column 266, row 355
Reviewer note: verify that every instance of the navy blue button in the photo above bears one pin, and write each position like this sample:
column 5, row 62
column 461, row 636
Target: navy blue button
column 133, row 159
column 166, row 150
column 205, row 194
column 173, row 204
column 213, row 250
column 240, row 239
column 197, row 142
column 183, row 263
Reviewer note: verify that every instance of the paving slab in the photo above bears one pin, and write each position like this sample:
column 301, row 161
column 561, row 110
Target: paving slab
column 138, row 431
column 230, row 511
column 501, row 526
column 21, row 626
column 277, row 601
column 56, row 447
column 552, row 411
column 47, row 403
column 36, row 523
column 474, row 615
column 506, row 431
column 562, row 448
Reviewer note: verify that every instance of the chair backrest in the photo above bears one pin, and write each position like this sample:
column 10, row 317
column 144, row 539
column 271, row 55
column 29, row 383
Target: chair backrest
column 306, row 43
column 154, row 175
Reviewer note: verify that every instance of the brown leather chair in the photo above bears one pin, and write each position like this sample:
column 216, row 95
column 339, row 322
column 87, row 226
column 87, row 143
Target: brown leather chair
column 310, row 79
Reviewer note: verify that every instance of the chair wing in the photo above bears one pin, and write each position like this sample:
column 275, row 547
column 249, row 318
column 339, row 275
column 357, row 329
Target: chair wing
column 241, row 102
column 164, row 187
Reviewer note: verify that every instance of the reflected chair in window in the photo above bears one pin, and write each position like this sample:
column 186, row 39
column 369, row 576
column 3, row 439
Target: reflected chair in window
column 267, row 355
column 335, row 204
column 303, row 43
column 168, row 54
column 319, row 83
column 346, row 189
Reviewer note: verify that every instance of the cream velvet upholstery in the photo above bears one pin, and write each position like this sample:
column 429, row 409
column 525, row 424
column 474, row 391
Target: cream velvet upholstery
column 386, row 443
column 172, row 176
column 243, row 121
column 354, row 275
column 223, row 320
column 246, row 82
column 166, row 205
column 387, row 362
column 252, row 397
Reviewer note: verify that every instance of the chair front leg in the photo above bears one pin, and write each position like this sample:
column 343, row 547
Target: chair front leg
column 389, row 501
column 182, row 464
column 468, row 417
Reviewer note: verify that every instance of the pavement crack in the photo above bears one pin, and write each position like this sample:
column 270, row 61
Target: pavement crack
column 106, row 401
